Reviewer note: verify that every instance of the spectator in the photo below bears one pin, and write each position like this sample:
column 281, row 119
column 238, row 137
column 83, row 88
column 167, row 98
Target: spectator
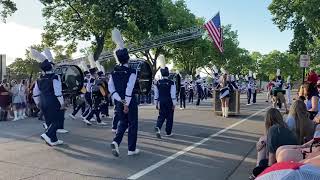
column 276, row 135
column 23, row 96
column 298, row 121
column 310, row 93
column 16, row 100
column 4, row 102
column 300, row 153
column 312, row 77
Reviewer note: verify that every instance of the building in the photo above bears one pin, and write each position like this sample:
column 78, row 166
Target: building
column 2, row 66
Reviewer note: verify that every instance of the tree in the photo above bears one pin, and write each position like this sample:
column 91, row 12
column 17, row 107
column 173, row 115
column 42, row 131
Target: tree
column 74, row 20
column 303, row 18
column 287, row 63
column 174, row 16
column 7, row 8
column 23, row 68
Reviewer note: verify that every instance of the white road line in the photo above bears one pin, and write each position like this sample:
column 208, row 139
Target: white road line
column 174, row 156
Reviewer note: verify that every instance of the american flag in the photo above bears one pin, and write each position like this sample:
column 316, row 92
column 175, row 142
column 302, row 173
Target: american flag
column 215, row 31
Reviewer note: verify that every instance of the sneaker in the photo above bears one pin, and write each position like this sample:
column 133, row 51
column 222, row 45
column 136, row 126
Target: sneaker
column 44, row 125
column 87, row 122
column 169, row 135
column 72, row 116
column 132, row 153
column 46, row 139
column 102, row 123
column 115, row 149
column 58, row 142
column 158, row 132
column 181, row 108
column 92, row 120
column 62, row 131
column 248, row 104
column 16, row 119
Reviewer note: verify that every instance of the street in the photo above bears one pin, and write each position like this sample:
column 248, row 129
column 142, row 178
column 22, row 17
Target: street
column 204, row 147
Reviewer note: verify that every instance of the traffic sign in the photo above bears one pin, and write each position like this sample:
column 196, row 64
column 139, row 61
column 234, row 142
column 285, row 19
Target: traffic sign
column 304, row 61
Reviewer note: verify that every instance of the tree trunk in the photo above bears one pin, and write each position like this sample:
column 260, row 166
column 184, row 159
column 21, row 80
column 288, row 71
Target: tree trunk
column 99, row 47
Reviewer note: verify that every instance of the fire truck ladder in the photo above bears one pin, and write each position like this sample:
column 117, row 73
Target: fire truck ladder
column 157, row 41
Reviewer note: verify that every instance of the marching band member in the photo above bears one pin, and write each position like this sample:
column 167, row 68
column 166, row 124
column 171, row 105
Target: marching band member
column 89, row 85
column 121, row 85
column 250, row 84
column 47, row 93
column 278, row 93
column 254, row 88
column 215, row 76
column 191, row 91
column 205, row 89
column 104, row 85
column 288, row 90
column 97, row 93
column 165, row 99
column 199, row 88
column 224, row 88
column 81, row 103
column 184, row 86
column 233, row 82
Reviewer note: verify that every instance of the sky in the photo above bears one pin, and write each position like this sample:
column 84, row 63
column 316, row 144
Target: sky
column 250, row 18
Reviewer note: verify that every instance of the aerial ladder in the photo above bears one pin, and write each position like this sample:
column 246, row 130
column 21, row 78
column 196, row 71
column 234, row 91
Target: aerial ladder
column 157, row 41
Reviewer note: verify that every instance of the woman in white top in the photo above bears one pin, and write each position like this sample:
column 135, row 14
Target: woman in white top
column 23, row 96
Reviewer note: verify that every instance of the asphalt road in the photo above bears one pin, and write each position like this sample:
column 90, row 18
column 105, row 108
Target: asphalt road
column 204, row 147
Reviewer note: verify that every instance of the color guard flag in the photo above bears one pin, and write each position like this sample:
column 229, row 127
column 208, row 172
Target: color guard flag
column 215, row 31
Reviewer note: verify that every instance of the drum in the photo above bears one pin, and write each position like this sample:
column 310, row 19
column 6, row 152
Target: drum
column 144, row 77
column 71, row 78
column 176, row 78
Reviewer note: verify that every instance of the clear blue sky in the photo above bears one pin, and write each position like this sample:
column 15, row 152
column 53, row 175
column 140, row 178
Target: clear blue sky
column 250, row 18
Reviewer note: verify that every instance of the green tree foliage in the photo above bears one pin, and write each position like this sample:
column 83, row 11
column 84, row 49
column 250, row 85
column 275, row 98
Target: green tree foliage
column 74, row 20
column 174, row 16
column 7, row 8
column 287, row 63
column 301, row 16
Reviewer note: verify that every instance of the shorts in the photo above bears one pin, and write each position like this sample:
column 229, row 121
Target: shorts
column 279, row 96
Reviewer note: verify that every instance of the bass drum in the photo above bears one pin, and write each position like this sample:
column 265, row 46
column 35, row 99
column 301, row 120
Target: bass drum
column 144, row 78
column 176, row 78
column 71, row 78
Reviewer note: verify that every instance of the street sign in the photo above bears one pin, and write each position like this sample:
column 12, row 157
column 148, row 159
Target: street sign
column 304, row 61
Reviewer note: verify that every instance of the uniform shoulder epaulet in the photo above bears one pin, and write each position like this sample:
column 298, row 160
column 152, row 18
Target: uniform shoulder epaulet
column 55, row 77
column 132, row 71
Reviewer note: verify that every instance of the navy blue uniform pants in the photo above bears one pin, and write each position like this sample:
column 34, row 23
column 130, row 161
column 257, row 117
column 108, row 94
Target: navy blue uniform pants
column 166, row 113
column 52, row 113
column 249, row 92
column 254, row 98
column 191, row 95
column 87, row 96
column 127, row 121
column 81, row 106
column 95, row 109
